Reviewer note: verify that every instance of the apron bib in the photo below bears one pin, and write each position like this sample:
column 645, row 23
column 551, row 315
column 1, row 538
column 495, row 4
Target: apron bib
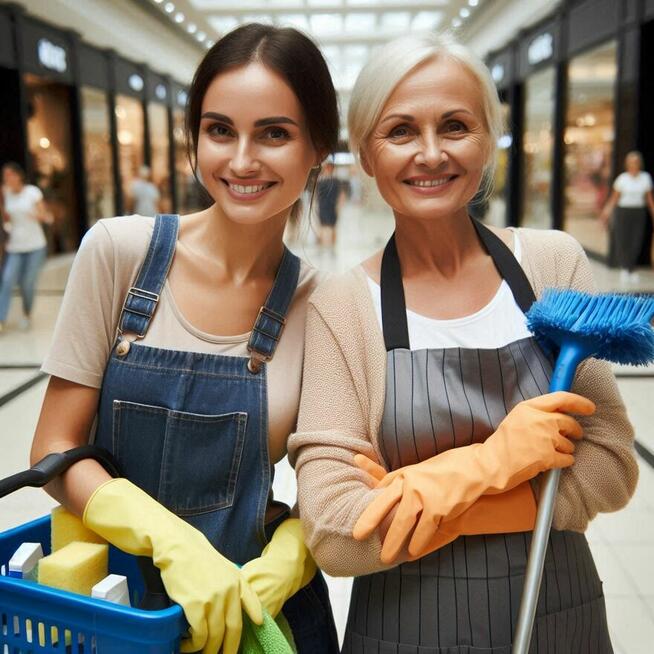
column 464, row 597
column 191, row 429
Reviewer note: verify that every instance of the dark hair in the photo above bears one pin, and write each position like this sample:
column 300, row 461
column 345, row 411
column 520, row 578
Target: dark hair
column 286, row 51
column 16, row 168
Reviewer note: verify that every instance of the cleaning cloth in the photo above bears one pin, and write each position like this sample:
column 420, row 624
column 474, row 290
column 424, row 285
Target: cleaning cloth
column 272, row 637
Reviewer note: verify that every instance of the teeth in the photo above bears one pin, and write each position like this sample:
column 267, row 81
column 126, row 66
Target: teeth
column 429, row 182
column 248, row 189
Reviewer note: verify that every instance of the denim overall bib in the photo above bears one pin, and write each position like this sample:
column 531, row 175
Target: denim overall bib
column 464, row 597
column 191, row 429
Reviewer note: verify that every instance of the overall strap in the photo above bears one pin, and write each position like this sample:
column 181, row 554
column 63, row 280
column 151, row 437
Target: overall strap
column 142, row 298
column 508, row 267
column 270, row 322
column 394, row 320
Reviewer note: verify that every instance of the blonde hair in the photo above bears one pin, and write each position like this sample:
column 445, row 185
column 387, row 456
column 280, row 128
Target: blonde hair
column 388, row 67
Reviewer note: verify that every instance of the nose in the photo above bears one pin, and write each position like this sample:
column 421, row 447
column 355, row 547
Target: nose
column 430, row 152
column 244, row 161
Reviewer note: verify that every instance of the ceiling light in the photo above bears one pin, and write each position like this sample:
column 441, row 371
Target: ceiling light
column 179, row 17
column 210, row 44
column 158, row 1
column 457, row 22
column 169, row 7
column 473, row 3
column 465, row 12
column 200, row 36
column 191, row 28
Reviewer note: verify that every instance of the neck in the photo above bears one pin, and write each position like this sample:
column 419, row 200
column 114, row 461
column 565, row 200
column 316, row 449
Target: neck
column 244, row 252
column 440, row 246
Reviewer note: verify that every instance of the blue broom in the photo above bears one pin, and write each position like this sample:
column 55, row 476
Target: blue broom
column 612, row 327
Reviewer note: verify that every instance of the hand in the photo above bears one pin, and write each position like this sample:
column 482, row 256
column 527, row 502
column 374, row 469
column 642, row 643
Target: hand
column 534, row 437
column 285, row 566
column 210, row 589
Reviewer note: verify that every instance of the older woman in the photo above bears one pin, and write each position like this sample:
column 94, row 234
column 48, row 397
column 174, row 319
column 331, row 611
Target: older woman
column 420, row 360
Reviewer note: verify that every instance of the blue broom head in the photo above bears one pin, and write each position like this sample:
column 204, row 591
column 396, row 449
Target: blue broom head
column 614, row 327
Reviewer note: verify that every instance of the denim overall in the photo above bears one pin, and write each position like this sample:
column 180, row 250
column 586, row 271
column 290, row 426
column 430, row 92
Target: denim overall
column 191, row 429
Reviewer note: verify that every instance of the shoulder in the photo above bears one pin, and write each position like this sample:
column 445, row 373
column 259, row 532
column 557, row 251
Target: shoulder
column 33, row 191
column 339, row 290
column 539, row 241
column 647, row 178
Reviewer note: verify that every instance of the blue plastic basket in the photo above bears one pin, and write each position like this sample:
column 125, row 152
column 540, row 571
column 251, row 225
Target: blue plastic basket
column 29, row 612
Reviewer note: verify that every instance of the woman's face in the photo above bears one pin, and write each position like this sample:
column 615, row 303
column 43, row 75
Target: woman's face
column 12, row 180
column 632, row 164
column 254, row 149
column 428, row 149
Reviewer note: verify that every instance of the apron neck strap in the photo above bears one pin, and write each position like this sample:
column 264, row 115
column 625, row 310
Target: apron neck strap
column 142, row 298
column 270, row 322
column 393, row 304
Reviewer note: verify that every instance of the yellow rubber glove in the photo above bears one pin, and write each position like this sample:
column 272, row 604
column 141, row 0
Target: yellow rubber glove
column 285, row 566
column 510, row 512
column 210, row 589
column 533, row 437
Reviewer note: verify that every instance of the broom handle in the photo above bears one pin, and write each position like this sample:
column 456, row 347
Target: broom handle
column 537, row 551
column 572, row 353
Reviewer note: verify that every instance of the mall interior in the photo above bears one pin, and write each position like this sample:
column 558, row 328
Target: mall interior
column 94, row 91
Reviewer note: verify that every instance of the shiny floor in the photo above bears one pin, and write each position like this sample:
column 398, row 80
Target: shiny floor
column 622, row 543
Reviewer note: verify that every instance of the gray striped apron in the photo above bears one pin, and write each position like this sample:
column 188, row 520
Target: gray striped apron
column 464, row 598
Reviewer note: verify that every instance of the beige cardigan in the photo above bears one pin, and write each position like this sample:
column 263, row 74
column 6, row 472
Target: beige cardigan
column 343, row 400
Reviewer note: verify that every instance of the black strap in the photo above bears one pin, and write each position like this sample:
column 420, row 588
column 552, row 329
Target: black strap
column 394, row 321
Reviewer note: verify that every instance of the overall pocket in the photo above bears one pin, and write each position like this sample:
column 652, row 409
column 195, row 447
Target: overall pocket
column 187, row 461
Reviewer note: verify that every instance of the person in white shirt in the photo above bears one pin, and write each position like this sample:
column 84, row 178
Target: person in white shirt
column 631, row 197
column 26, row 247
column 144, row 194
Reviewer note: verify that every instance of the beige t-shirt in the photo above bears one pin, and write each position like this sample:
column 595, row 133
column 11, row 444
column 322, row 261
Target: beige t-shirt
column 106, row 266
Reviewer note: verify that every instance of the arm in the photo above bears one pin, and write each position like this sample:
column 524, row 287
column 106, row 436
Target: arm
column 609, row 206
column 650, row 203
column 605, row 472
column 332, row 428
column 41, row 213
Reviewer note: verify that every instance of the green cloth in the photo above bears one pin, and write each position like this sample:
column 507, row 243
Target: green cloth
column 272, row 637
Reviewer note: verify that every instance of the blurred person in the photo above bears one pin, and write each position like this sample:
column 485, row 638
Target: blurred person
column 24, row 214
column 629, row 203
column 425, row 417
column 181, row 337
column 144, row 194
column 330, row 196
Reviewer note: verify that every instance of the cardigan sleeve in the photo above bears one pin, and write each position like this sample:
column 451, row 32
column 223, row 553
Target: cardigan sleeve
column 605, row 472
column 333, row 426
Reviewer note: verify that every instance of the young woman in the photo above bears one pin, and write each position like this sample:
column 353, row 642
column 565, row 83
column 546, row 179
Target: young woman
column 181, row 338
column 420, row 360
column 24, row 212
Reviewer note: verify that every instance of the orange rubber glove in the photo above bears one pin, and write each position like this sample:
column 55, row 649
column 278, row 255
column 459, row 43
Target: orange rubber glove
column 533, row 437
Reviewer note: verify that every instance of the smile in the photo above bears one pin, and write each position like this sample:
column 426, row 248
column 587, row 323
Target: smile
column 248, row 191
column 429, row 183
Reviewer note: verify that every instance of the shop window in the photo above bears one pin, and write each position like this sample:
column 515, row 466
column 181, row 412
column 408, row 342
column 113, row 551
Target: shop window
column 537, row 149
column 160, row 154
column 97, row 155
column 189, row 193
column 50, row 149
column 130, row 125
column 589, row 144
column 496, row 214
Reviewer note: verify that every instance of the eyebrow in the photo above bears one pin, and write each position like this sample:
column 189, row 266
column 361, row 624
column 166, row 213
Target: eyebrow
column 263, row 122
column 409, row 118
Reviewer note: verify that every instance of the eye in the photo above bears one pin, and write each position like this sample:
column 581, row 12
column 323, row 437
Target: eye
column 455, row 127
column 276, row 134
column 399, row 132
column 219, row 131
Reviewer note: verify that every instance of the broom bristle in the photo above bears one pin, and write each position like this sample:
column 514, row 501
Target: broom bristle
column 617, row 326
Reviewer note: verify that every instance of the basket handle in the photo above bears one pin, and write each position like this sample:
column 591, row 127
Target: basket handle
column 56, row 463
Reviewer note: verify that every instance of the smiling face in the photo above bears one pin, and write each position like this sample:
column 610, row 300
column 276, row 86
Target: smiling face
column 429, row 147
column 254, row 150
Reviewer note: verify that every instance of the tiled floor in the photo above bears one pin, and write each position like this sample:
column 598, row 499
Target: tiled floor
column 622, row 543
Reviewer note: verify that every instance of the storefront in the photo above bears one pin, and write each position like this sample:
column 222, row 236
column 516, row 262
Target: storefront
column 83, row 122
column 573, row 104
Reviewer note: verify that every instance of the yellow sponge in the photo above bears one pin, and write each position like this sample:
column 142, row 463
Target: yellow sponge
column 66, row 527
column 77, row 567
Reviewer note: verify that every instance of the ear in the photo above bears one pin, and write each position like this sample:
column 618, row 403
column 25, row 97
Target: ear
column 365, row 163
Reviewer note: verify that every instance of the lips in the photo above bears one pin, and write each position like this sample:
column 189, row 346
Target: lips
column 429, row 182
column 249, row 188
